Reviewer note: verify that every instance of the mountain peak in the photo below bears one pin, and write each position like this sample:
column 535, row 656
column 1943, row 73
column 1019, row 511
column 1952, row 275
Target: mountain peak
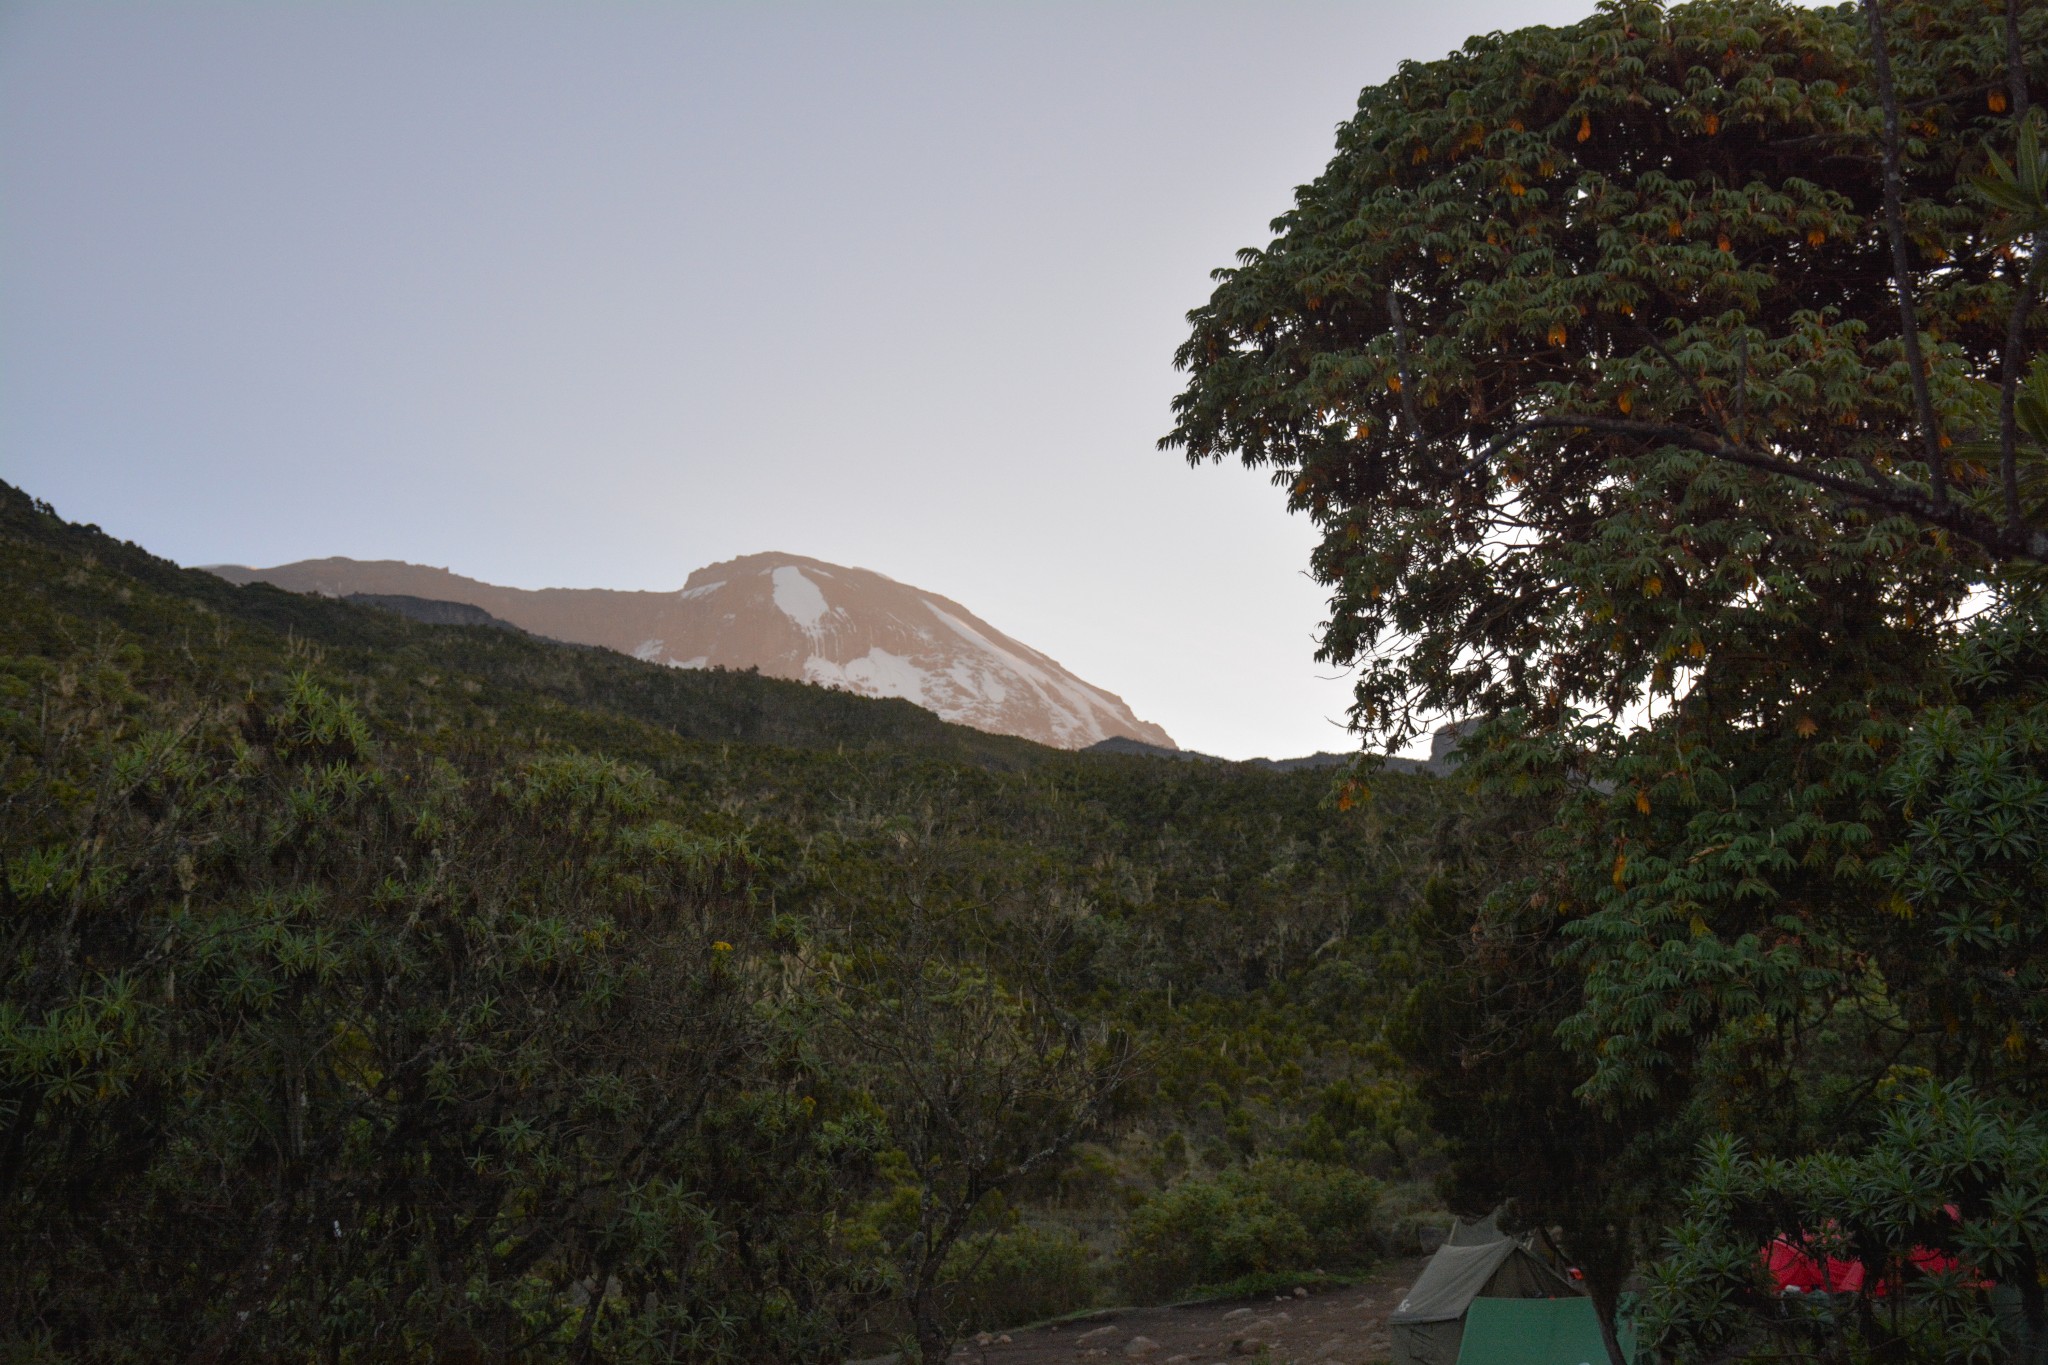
column 790, row 616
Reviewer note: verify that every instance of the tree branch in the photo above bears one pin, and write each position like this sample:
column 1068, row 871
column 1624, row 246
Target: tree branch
column 2000, row 542
column 1895, row 227
column 2023, row 293
column 1409, row 420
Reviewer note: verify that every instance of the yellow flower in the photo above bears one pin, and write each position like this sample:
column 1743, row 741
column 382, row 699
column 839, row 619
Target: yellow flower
column 721, row 947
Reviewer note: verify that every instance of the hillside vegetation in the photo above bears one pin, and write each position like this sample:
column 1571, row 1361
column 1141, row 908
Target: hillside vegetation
column 377, row 990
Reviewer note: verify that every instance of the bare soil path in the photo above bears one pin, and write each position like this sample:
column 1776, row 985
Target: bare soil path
column 1334, row 1327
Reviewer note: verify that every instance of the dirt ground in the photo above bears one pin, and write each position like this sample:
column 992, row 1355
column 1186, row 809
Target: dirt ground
column 1333, row 1327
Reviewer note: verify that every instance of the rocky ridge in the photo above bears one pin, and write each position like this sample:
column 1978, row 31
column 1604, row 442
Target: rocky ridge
column 788, row 616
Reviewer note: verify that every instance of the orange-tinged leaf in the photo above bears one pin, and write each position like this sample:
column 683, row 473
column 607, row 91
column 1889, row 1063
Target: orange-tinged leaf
column 1674, row 228
column 1394, row 382
column 1620, row 869
column 1585, row 127
column 1723, row 243
column 1626, row 402
column 1653, row 586
column 1557, row 334
column 1697, row 649
column 1643, row 801
column 1713, row 124
column 1421, row 155
column 1628, row 310
column 1996, row 99
column 1817, row 237
column 1806, row 726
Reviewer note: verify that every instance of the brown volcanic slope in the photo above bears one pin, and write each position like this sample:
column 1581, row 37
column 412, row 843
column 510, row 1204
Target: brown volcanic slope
column 790, row 617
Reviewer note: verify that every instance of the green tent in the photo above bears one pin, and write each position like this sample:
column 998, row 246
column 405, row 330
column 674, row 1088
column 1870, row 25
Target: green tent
column 1532, row 1332
column 1475, row 1232
column 1430, row 1323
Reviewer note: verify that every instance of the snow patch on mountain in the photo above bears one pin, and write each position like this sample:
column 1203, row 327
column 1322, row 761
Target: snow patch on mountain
column 877, row 673
column 1077, row 711
column 799, row 598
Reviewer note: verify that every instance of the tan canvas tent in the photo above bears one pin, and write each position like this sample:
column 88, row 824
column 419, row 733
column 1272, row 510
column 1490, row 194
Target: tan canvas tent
column 1429, row 1326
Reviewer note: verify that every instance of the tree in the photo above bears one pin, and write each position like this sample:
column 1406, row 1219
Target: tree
column 978, row 1085
column 1664, row 361
column 1668, row 220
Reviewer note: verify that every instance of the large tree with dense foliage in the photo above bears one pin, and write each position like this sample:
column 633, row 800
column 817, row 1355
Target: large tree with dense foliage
column 1659, row 218
column 1657, row 385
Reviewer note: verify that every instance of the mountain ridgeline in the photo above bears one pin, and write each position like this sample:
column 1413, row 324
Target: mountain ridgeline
column 377, row 987
column 789, row 617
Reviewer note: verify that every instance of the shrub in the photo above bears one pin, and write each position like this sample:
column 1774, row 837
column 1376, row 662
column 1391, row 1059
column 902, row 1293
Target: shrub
column 1002, row 1279
column 1266, row 1217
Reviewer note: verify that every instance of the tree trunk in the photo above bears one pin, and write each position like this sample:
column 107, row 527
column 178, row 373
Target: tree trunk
column 1603, row 1309
column 934, row 1343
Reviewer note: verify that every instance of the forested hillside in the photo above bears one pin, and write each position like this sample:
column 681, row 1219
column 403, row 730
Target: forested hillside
column 375, row 989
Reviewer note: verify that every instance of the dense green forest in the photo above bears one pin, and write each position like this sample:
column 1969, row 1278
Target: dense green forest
column 379, row 990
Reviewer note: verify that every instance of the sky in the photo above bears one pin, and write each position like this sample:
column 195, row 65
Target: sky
column 594, row 294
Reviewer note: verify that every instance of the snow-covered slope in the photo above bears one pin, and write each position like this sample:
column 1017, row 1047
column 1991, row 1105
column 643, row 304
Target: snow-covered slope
column 790, row 617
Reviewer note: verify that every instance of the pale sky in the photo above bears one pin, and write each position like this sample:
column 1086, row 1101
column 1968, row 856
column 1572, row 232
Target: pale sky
column 594, row 294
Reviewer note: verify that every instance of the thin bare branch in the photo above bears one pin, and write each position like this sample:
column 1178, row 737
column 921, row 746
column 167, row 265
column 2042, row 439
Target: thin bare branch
column 1411, row 423
column 1741, row 382
column 2023, row 294
column 1895, row 227
column 1684, row 376
column 2015, row 64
